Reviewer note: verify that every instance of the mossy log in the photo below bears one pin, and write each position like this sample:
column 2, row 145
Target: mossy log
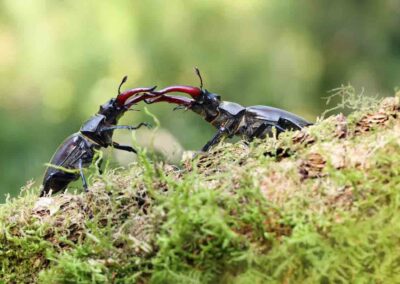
column 320, row 205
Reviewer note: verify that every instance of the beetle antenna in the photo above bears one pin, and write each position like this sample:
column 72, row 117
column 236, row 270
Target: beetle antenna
column 122, row 82
column 199, row 75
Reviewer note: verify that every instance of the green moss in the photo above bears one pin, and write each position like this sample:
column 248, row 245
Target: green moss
column 317, row 206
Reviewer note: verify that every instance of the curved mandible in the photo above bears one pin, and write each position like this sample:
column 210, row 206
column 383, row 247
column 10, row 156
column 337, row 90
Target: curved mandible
column 194, row 92
column 139, row 98
column 124, row 96
column 179, row 100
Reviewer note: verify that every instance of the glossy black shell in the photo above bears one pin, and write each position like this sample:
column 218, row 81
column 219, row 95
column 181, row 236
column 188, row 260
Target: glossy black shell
column 277, row 116
column 91, row 130
column 68, row 154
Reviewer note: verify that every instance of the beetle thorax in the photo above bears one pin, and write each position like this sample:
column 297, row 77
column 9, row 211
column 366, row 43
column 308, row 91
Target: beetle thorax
column 107, row 116
column 207, row 106
column 92, row 130
column 111, row 111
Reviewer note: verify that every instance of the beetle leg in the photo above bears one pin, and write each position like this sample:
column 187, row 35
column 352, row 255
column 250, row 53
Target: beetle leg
column 216, row 138
column 123, row 147
column 279, row 128
column 148, row 125
column 84, row 182
column 259, row 131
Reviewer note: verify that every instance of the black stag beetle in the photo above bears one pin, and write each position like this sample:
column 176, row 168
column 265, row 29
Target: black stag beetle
column 78, row 150
column 230, row 118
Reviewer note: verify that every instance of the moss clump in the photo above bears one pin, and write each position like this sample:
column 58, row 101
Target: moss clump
column 319, row 205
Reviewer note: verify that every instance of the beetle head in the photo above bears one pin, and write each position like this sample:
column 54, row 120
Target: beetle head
column 116, row 107
column 203, row 102
column 112, row 111
column 206, row 105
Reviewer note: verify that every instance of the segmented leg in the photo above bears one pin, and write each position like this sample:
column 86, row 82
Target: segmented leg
column 259, row 132
column 124, row 147
column 216, row 138
column 84, row 182
column 126, row 127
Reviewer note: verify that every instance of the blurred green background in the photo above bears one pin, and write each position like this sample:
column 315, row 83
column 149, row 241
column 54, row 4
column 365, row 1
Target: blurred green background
column 59, row 60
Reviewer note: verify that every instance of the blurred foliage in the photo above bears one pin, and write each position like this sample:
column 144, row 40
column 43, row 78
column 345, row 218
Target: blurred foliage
column 59, row 60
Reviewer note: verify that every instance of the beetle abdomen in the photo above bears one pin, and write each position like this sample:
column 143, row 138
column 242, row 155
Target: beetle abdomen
column 260, row 121
column 276, row 115
column 68, row 155
column 57, row 181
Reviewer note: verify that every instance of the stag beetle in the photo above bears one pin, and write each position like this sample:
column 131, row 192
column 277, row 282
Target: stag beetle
column 230, row 118
column 78, row 150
